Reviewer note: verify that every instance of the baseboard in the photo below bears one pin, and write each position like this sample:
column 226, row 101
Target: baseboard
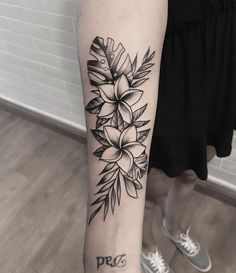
column 41, row 119
column 217, row 191
column 209, row 188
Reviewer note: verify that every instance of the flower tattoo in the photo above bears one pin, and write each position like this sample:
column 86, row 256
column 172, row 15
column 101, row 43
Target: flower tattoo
column 119, row 97
column 119, row 129
column 124, row 147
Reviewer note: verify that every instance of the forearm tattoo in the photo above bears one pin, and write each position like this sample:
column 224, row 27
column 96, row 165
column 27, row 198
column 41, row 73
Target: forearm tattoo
column 119, row 129
column 117, row 261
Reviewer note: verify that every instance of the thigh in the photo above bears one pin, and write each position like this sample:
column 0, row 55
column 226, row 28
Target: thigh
column 211, row 152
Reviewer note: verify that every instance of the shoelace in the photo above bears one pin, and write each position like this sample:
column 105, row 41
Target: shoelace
column 188, row 243
column 157, row 262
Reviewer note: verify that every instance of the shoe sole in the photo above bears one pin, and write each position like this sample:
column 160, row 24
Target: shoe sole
column 147, row 269
column 185, row 256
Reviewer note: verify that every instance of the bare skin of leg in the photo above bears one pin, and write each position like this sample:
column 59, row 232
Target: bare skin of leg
column 158, row 185
column 172, row 194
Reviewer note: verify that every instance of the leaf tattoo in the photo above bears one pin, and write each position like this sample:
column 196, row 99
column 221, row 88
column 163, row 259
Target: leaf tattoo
column 144, row 69
column 118, row 129
column 104, row 68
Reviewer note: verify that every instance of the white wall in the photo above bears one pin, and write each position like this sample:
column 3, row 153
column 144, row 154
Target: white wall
column 39, row 67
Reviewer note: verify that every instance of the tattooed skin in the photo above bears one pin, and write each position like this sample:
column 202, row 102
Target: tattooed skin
column 118, row 261
column 119, row 129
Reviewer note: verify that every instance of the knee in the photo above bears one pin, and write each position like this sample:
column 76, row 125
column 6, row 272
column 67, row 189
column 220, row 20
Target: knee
column 158, row 184
column 188, row 177
column 160, row 175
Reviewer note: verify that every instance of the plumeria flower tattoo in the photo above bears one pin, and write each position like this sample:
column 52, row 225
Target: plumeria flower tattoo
column 124, row 147
column 119, row 97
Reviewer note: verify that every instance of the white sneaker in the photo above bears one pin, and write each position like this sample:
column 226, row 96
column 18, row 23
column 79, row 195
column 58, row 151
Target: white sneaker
column 154, row 262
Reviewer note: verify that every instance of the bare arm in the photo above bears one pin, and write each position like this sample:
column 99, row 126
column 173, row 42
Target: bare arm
column 120, row 45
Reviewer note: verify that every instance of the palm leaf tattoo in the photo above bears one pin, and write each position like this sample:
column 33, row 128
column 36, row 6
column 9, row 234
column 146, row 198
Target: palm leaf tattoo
column 139, row 76
column 119, row 126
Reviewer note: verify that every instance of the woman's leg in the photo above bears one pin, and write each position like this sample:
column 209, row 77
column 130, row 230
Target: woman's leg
column 158, row 184
column 120, row 92
column 177, row 199
column 172, row 194
column 179, row 195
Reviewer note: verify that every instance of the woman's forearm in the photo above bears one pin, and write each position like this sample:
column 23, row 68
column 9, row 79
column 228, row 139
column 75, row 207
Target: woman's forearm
column 120, row 45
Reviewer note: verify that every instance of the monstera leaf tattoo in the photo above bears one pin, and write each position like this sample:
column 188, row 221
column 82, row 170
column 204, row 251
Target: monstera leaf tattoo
column 119, row 129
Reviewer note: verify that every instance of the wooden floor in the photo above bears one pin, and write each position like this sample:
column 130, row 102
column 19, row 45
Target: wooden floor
column 43, row 206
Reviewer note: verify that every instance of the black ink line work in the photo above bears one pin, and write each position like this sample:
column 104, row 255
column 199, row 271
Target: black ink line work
column 118, row 261
column 119, row 127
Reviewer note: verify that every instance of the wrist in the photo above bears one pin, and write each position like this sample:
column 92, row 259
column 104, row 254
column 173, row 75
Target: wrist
column 111, row 261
